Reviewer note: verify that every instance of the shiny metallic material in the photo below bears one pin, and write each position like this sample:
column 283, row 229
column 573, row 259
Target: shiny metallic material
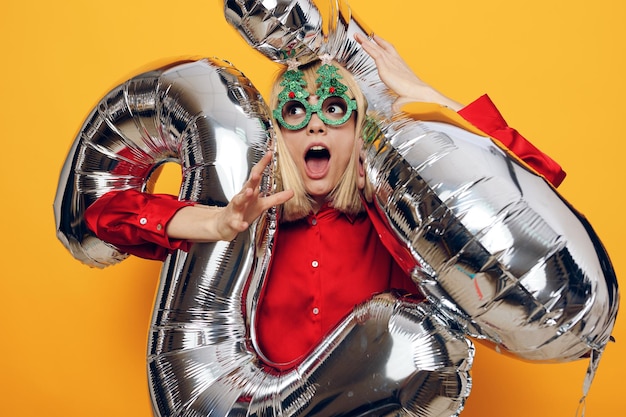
column 204, row 115
column 388, row 356
column 499, row 250
column 287, row 29
column 280, row 29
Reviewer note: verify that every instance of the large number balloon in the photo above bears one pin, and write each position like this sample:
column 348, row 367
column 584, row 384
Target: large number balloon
column 496, row 248
column 390, row 356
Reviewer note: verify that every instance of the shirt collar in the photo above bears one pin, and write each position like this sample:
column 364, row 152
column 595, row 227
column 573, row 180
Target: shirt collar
column 327, row 210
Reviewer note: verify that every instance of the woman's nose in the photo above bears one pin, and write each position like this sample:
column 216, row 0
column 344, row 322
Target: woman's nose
column 316, row 125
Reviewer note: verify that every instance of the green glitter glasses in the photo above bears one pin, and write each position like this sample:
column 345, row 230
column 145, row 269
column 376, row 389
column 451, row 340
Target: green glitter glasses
column 333, row 107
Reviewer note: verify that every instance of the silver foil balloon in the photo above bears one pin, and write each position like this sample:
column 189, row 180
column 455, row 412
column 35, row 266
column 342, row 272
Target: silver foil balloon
column 279, row 29
column 199, row 115
column 390, row 356
column 498, row 249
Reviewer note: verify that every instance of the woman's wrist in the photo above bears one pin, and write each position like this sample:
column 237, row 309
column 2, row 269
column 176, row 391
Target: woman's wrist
column 425, row 93
column 196, row 223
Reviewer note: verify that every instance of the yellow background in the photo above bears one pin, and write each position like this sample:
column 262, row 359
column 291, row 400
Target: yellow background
column 73, row 339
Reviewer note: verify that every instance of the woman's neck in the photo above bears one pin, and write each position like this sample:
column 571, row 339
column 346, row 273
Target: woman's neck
column 317, row 203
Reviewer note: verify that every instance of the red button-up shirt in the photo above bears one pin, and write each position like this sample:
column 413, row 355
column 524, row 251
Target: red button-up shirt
column 322, row 267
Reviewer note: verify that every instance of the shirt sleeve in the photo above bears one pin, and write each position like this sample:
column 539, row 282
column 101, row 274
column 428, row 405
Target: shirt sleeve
column 135, row 222
column 483, row 114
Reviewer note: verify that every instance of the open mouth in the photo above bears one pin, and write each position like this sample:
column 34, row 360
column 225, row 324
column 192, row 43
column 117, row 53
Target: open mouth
column 317, row 159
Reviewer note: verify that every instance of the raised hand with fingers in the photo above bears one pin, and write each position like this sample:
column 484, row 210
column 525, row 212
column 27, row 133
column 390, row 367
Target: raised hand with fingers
column 201, row 223
column 399, row 77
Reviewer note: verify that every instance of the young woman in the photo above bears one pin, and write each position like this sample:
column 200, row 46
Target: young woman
column 327, row 255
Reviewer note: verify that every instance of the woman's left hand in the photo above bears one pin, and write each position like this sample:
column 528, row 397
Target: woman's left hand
column 399, row 77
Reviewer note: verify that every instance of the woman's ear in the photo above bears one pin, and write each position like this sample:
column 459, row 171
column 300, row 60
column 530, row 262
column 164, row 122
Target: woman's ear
column 361, row 170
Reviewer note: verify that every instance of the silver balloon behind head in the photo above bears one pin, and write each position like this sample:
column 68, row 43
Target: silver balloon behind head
column 262, row 23
column 279, row 29
column 347, row 52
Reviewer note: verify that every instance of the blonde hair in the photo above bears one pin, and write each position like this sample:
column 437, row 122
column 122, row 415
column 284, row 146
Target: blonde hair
column 345, row 197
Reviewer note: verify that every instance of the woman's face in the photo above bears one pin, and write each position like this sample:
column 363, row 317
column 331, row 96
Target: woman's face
column 321, row 152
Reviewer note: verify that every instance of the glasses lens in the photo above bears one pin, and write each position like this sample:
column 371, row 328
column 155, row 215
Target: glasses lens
column 294, row 112
column 335, row 108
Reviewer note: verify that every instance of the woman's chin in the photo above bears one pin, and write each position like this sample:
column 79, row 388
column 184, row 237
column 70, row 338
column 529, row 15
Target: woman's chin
column 318, row 192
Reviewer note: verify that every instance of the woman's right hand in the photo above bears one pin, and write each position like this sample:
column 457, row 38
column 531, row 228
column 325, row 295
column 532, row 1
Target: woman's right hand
column 209, row 224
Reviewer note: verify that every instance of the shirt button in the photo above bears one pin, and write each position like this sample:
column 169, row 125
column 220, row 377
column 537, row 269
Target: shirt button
column 314, row 222
column 315, row 264
column 143, row 220
column 316, row 311
column 159, row 226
